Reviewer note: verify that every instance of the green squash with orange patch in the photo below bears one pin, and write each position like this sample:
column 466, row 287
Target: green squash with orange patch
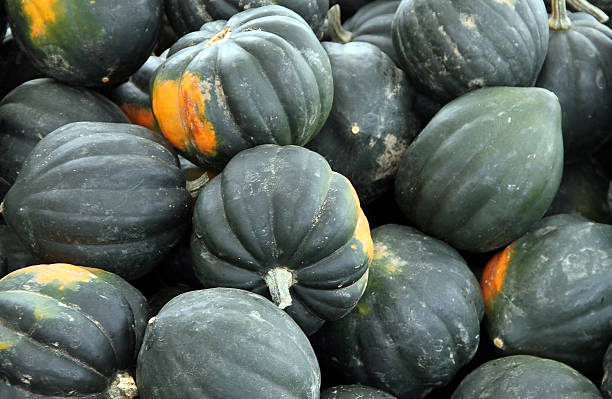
column 262, row 77
column 279, row 222
column 549, row 293
column 68, row 331
column 86, row 43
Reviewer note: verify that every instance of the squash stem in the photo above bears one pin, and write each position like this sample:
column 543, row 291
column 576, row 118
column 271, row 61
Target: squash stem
column 279, row 280
column 123, row 386
column 585, row 6
column 558, row 17
column 334, row 26
column 194, row 186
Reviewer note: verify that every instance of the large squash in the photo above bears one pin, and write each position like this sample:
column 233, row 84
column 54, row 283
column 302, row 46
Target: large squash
column 68, row 331
column 450, row 47
column 549, row 293
column 224, row 343
column 485, row 168
column 417, row 323
column 278, row 220
column 263, row 77
column 86, row 43
column 107, row 195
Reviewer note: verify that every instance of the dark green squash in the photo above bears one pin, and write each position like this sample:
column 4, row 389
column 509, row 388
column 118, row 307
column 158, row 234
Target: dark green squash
column 38, row 107
column 451, row 47
column 525, row 377
column 107, row 195
column 549, row 293
column 366, row 146
column 133, row 96
column 577, row 70
column 15, row 66
column 606, row 382
column 278, row 220
column 68, row 331
column 583, row 191
column 14, row 254
column 189, row 15
column 224, row 343
column 485, row 169
column 225, row 92
column 354, row 392
column 86, row 43
column 417, row 323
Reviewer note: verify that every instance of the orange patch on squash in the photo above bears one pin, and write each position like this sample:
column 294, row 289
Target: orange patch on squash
column 42, row 14
column 193, row 106
column 494, row 274
column 6, row 344
column 140, row 116
column 63, row 273
column 165, row 100
column 362, row 227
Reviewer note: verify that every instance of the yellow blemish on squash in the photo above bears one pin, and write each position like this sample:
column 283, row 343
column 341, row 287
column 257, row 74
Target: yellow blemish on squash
column 380, row 251
column 193, row 107
column 63, row 273
column 355, row 128
column 363, row 309
column 61, row 288
column 220, row 36
column 498, row 342
column 494, row 274
column 391, row 268
column 38, row 314
column 6, row 344
column 42, row 14
column 362, row 228
column 165, row 99
column 509, row 3
column 140, row 116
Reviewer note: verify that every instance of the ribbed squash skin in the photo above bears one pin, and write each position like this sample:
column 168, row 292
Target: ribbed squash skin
column 224, row 343
column 549, row 293
column 86, row 43
column 372, row 24
column 417, row 323
column 133, row 96
column 577, row 71
column 525, row 377
column 226, row 92
column 354, row 392
column 451, row 47
column 485, row 168
column 38, row 107
column 281, row 207
column 606, row 383
column 107, row 195
column 67, row 331
column 189, row 15
column 364, row 146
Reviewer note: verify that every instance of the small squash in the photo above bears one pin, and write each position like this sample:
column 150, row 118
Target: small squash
column 68, row 331
column 225, row 343
column 277, row 220
column 108, row 195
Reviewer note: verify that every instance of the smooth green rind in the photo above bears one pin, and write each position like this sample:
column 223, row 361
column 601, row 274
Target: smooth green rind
column 417, row 323
column 577, row 71
column 556, row 294
column 354, row 392
column 283, row 207
column 606, row 382
column 449, row 48
column 525, row 377
column 36, row 108
column 224, row 343
column 105, row 195
column 86, row 43
column 363, row 145
column 485, row 169
column 64, row 331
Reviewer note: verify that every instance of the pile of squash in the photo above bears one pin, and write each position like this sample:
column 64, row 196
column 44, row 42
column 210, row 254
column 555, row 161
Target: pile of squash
column 305, row 199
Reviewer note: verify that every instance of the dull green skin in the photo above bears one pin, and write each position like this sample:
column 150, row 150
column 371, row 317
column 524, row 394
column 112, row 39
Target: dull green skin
column 485, row 168
column 282, row 207
column 577, row 71
column 84, row 43
column 417, row 323
column 525, row 377
column 106, row 195
column 67, row 337
column 354, row 392
column 606, row 383
column 38, row 107
column 556, row 299
column 451, row 47
column 188, row 353
column 366, row 146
